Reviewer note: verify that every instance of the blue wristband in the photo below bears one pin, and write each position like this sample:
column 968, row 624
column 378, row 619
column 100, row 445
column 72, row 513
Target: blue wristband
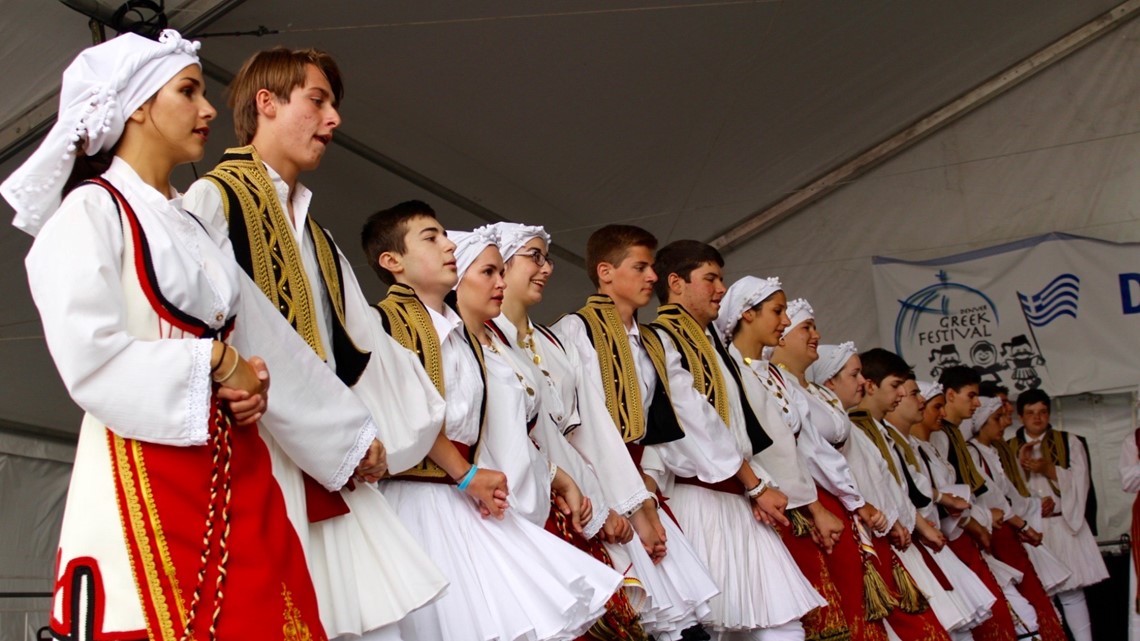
column 466, row 480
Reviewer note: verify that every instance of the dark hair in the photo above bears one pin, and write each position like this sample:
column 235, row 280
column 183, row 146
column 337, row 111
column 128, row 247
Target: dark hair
column 1031, row 397
column 959, row 376
column 611, row 244
column 992, row 389
column 279, row 70
column 384, row 231
column 879, row 363
column 87, row 167
column 681, row 257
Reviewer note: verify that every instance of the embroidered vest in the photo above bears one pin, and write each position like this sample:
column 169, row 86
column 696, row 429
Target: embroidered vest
column 699, row 358
column 409, row 323
column 263, row 244
column 1055, row 445
column 618, row 373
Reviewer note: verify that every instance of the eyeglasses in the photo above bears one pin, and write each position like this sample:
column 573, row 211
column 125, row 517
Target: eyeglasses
column 538, row 257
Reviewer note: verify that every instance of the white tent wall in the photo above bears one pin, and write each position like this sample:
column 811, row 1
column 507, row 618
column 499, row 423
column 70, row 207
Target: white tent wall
column 1058, row 153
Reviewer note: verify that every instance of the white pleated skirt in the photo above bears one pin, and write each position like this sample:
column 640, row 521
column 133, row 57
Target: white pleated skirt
column 509, row 579
column 945, row 607
column 367, row 569
column 677, row 591
column 973, row 597
column 1078, row 552
column 1051, row 571
column 1005, row 574
column 760, row 584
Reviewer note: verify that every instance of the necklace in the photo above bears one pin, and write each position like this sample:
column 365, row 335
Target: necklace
column 772, row 382
column 522, row 380
column 527, row 343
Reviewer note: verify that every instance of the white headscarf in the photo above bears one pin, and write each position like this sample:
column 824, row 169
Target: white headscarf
column 971, row 426
column 512, row 237
column 468, row 246
column 929, row 389
column 744, row 294
column 831, row 359
column 799, row 311
column 101, row 88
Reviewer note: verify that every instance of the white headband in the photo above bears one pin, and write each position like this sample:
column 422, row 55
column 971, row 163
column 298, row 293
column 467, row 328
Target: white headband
column 798, row 311
column 468, row 246
column 744, row 294
column 832, row 358
column 971, row 426
column 929, row 389
column 512, row 237
column 101, row 88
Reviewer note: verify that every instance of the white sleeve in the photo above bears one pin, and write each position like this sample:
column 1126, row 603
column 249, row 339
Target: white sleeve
column 1129, row 465
column 869, row 471
column 1074, row 484
column 828, row 467
column 205, row 201
column 555, row 446
column 404, row 403
column 708, row 450
column 318, row 421
column 150, row 390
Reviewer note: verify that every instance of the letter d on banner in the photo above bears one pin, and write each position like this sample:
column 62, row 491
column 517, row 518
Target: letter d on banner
column 1129, row 302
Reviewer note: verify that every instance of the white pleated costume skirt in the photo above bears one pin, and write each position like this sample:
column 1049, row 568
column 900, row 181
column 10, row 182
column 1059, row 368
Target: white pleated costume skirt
column 675, row 593
column 1005, row 574
column 1076, row 551
column 760, row 584
column 367, row 569
column 973, row 597
column 945, row 607
column 509, row 579
column 1050, row 570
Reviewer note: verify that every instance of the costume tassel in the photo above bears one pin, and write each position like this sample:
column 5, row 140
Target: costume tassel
column 911, row 600
column 801, row 525
column 877, row 598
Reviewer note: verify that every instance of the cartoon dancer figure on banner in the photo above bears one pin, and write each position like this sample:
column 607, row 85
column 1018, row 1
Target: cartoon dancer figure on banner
column 986, row 363
column 1024, row 360
column 943, row 357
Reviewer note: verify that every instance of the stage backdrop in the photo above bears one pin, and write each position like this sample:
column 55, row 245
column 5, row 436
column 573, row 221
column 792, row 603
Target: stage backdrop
column 1059, row 312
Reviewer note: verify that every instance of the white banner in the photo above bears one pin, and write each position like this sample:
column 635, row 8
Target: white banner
column 1058, row 312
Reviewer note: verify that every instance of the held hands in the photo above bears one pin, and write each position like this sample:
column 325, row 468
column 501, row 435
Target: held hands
column 648, row 526
column 955, row 505
column 871, row 515
column 998, row 517
column 1031, row 536
column 768, row 508
column 243, row 384
column 1048, row 506
column 374, row 465
column 616, row 529
column 828, row 527
column 899, row 536
column 570, row 501
column 980, row 535
column 489, row 489
column 930, row 535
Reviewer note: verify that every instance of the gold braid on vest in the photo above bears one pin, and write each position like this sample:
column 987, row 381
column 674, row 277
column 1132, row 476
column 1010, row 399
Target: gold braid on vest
column 409, row 323
column 264, row 246
column 616, row 365
column 963, row 463
column 1012, row 467
column 697, row 354
column 866, row 424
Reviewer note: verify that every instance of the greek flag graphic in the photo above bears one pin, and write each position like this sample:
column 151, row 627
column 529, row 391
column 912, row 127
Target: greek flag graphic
column 1058, row 298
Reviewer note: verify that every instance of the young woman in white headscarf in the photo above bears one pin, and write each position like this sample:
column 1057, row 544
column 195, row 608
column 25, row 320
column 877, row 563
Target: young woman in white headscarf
column 577, row 432
column 564, row 590
column 174, row 526
column 755, row 315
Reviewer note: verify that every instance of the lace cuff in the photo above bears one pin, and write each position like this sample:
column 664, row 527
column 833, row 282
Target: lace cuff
column 592, row 528
column 627, row 507
column 199, row 387
column 348, row 465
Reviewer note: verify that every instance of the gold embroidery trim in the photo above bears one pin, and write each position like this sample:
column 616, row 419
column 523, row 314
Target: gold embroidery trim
column 135, row 530
column 294, row 627
column 276, row 261
column 616, row 365
column 864, row 422
column 700, row 354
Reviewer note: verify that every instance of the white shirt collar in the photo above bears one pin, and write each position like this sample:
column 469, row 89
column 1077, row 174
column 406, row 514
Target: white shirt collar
column 444, row 323
column 126, row 176
column 302, row 197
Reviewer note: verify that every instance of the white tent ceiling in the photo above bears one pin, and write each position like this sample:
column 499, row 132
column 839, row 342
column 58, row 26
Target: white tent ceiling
column 682, row 117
